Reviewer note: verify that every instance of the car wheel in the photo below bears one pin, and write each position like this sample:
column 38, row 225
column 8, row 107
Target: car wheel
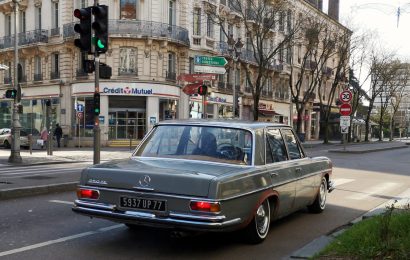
column 320, row 202
column 258, row 229
column 6, row 144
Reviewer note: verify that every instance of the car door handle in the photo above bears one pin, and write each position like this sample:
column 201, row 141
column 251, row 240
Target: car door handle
column 298, row 170
column 273, row 174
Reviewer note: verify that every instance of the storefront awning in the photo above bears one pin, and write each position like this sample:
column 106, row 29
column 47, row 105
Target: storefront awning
column 268, row 113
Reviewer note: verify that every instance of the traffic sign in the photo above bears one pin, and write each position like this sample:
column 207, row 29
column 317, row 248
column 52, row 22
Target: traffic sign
column 196, row 77
column 345, row 109
column 345, row 121
column 344, row 129
column 80, row 115
column 209, row 69
column 210, row 61
column 345, row 96
column 80, row 108
column 191, row 89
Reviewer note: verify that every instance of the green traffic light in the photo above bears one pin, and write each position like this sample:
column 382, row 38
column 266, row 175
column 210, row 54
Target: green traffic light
column 100, row 44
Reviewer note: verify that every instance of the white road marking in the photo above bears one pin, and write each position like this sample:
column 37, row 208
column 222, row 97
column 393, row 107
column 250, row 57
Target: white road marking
column 341, row 181
column 59, row 240
column 62, row 202
column 377, row 189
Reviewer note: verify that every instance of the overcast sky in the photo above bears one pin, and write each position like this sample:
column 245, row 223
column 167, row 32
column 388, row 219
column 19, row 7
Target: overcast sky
column 381, row 16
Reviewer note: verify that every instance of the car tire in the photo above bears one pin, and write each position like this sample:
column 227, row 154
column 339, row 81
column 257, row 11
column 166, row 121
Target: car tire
column 258, row 229
column 320, row 202
column 6, row 144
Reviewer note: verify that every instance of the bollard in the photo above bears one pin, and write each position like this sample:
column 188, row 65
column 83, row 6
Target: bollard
column 130, row 136
column 30, row 143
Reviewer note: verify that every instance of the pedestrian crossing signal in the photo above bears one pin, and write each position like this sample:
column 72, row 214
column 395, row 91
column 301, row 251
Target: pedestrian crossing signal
column 11, row 93
column 203, row 90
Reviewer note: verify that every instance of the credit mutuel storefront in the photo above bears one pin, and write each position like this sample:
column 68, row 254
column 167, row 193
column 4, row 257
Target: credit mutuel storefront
column 128, row 110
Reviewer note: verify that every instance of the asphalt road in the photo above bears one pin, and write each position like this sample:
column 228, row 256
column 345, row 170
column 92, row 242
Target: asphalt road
column 43, row 227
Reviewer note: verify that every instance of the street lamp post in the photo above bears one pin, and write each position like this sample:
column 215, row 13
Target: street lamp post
column 235, row 51
column 15, row 156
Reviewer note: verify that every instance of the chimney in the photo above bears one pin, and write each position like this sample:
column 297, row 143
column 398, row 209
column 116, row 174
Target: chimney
column 334, row 9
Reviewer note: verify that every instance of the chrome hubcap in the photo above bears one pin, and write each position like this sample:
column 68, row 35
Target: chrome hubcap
column 322, row 193
column 262, row 218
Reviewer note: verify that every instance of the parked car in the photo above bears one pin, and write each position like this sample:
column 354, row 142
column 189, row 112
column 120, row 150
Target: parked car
column 6, row 138
column 207, row 175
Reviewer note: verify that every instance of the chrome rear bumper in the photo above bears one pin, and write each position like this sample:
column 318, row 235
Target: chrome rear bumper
column 172, row 220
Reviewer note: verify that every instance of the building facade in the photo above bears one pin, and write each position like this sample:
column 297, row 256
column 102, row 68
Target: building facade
column 151, row 43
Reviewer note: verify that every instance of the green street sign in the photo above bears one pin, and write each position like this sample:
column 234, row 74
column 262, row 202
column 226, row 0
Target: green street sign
column 210, row 61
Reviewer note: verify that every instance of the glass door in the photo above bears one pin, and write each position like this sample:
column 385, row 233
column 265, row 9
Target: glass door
column 125, row 124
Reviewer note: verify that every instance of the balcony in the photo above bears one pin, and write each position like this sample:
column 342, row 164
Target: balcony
column 25, row 38
column 38, row 77
column 139, row 29
column 7, row 80
column 55, row 31
column 81, row 74
column 54, row 75
column 127, row 72
column 171, row 75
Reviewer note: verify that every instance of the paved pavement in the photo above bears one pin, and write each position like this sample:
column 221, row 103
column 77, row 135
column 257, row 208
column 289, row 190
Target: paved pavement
column 68, row 157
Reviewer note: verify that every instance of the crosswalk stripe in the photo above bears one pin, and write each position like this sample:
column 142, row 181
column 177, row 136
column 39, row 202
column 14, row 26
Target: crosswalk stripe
column 341, row 181
column 377, row 189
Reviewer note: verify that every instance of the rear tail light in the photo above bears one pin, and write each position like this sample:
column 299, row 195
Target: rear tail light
column 205, row 206
column 88, row 194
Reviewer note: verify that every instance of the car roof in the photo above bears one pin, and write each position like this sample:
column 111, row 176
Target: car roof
column 252, row 125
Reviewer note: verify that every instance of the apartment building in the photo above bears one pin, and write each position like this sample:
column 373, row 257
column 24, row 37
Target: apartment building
column 151, row 43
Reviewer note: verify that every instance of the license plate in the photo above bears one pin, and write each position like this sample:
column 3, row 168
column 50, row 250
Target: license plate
column 142, row 203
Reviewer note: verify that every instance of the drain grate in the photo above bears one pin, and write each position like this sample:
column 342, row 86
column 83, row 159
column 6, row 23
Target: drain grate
column 38, row 177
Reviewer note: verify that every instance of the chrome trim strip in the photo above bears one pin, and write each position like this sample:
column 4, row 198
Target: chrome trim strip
column 138, row 216
column 143, row 189
column 210, row 218
column 94, row 205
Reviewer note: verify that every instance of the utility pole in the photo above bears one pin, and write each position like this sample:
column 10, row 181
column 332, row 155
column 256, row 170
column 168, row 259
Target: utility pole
column 97, row 129
column 15, row 156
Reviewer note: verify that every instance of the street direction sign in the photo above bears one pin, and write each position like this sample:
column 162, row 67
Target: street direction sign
column 345, row 109
column 209, row 69
column 196, row 77
column 344, row 129
column 345, row 96
column 345, row 121
column 210, row 61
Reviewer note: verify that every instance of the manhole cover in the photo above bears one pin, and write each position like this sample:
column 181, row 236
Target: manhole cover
column 38, row 177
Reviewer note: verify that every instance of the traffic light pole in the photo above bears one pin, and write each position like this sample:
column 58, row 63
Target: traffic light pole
column 15, row 156
column 96, row 129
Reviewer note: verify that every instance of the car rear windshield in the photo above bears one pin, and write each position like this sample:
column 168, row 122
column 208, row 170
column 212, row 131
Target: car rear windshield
column 203, row 143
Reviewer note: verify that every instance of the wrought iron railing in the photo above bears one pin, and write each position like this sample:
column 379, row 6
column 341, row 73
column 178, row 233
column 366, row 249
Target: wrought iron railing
column 127, row 72
column 139, row 29
column 171, row 75
column 38, row 77
column 25, row 38
column 55, row 31
column 55, row 75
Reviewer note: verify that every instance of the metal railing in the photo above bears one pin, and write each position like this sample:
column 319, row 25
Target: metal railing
column 7, row 80
column 139, row 29
column 38, row 77
column 127, row 72
column 25, row 38
column 55, row 75
column 55, row 31
column 169, row 75
column 80, row 73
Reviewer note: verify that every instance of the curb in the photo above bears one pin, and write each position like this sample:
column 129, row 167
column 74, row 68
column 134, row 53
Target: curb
column 366, row 151
column 42, row 163
column 37, row 190
column 316, row 245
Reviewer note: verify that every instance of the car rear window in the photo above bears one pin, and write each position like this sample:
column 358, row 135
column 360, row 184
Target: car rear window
column 218, row 144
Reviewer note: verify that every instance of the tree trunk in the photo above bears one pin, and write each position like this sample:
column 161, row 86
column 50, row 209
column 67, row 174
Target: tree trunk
column 391, row 128
column 366, row 138
column 381, row 127
column 256, row 108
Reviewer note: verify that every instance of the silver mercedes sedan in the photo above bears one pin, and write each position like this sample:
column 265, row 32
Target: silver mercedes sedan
column 205, row 175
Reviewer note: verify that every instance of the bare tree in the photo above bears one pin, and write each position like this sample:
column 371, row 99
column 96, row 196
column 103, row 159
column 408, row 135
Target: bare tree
column 269, row 28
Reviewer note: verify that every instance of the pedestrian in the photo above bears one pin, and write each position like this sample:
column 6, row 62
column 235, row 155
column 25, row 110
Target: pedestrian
column 44, row 137
column 58, row 133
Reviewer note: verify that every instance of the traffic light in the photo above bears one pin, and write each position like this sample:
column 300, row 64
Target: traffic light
column 83, row 28
column 97, row 104
column 11, row 93
column 100, row 26
column 203, row 90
